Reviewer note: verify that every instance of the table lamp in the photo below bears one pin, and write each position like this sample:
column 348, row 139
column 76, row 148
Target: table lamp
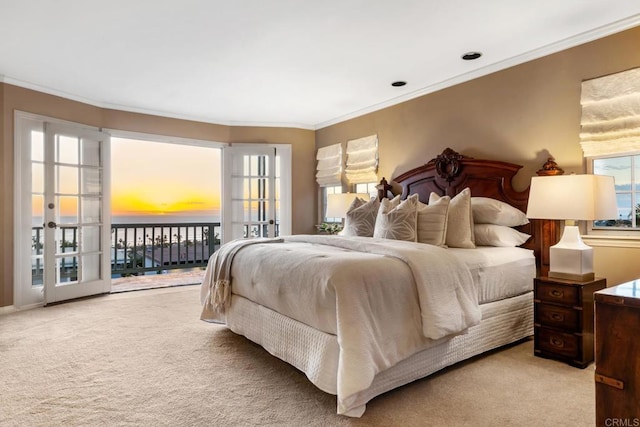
column 338, row 204
column 572, row 198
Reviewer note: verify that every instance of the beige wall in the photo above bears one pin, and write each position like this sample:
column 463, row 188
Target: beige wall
column 520, row 115
column 15, row 98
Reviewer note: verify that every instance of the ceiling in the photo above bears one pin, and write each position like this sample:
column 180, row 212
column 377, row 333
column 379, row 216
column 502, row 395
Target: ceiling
column 297, row 63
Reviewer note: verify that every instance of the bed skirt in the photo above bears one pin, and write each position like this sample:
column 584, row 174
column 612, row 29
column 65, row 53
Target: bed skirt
column 316, row 353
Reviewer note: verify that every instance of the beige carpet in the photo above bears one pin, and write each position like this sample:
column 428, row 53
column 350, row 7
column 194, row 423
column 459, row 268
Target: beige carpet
column 144, row 359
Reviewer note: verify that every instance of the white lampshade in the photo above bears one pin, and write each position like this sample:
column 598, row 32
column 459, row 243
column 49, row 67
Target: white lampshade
column 576, row 197
column 338, row 204
column 572, row 197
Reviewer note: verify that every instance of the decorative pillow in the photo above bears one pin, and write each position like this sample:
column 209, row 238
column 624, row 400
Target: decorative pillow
column 491, row 211
column 498, row 235
column 399, row 222
column 361, row 217
column 432, row 221
column 459, row 220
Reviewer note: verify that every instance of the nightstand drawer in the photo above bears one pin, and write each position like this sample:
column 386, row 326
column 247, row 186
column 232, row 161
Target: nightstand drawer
column 550, row 292
column 557, row 317
column 557, row 342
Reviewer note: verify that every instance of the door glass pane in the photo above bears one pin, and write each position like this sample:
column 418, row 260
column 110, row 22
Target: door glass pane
column 91, row 267
column 264, row 166
column 37, row 240
column 37, row 270
column 67, row 150
column 67, row 180
column 90, row 181
column 90, row 239
column 90, row 152
column 253, row 193
column 253, row 165
column 67, row 209
column 636, row 210
column 67, row 269
column 37, row 210
column 37, row 146
column 37, row 178
column 67, row 239
column 90, row 209
column 253, row 211
column 244, row 167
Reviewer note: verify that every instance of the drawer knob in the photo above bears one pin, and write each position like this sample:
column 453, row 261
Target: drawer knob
column 556, row 293
column 557, row 342
column 557, row 317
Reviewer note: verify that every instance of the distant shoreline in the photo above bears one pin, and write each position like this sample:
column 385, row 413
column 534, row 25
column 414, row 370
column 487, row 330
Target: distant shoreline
column 157, row 219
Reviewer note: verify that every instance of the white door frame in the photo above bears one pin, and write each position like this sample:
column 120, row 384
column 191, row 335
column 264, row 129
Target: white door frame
column 283, row 154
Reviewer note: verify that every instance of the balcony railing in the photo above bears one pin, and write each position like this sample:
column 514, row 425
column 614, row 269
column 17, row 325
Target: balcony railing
column 141, row 248
column 137, row 248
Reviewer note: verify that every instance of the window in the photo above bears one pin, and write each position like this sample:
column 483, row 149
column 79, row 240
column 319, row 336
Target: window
column 369, row 188
column 610, row 141
column 626, row 172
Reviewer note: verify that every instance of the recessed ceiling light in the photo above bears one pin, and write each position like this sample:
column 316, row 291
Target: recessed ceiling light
column 398, row 83
column 470, row 56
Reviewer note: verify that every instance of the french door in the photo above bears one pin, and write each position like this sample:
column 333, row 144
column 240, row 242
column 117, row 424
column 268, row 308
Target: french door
column 257, row 189
column 63, row 228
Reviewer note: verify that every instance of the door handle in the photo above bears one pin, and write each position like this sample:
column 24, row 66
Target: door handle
column 51, row 224
column 271, row 222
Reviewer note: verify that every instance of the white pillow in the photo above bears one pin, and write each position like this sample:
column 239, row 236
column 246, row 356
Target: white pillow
column 432, row 221
column 397, row 222
column 498, row 235
column 459, row 220
column 361, row 217
column 492, row 211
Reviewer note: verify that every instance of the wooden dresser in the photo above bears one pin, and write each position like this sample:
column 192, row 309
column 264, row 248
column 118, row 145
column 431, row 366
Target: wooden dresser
column 563, row 319
column 617, row 317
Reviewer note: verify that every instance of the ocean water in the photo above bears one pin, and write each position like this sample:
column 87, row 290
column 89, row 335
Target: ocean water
column 160, row 219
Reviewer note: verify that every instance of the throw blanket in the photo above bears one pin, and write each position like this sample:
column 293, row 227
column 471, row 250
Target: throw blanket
column 217, row 278
column 448, row 299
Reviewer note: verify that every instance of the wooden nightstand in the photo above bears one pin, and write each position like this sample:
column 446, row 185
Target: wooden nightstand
column 563, row 319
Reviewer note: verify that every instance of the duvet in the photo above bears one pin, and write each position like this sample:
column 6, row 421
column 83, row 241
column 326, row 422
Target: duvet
column 384, row 300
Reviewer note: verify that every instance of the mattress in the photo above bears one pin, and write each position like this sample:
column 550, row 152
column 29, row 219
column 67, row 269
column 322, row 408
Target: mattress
column 317, row 353
column 499, row 273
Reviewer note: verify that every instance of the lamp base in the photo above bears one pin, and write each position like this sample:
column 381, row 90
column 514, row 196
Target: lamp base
column 571, row 258
column 586, row 277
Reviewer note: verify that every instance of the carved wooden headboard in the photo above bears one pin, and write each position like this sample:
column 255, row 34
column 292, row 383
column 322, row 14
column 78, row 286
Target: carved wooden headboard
column 451, row 172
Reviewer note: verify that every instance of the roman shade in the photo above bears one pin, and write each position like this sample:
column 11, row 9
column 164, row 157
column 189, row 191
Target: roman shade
column 610, row 122
column 329, row 168
column 362, row 160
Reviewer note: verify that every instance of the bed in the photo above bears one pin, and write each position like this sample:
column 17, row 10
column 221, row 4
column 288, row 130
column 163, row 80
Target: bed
column 363, row 315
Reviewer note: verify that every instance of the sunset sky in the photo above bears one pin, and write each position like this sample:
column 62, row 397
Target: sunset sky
column 153, row 178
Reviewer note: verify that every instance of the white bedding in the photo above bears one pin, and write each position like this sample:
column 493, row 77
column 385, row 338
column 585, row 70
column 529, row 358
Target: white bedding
column 499, row 273
column 383, row 299
column 419, row 293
